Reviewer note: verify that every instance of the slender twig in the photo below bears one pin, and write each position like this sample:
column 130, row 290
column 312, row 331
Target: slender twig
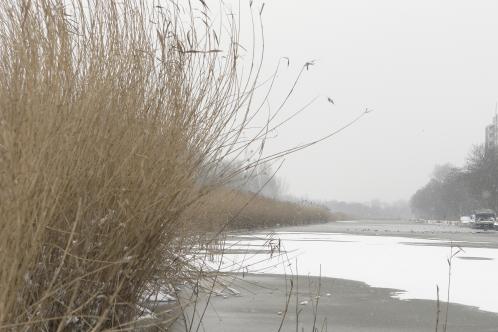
column 438, row 309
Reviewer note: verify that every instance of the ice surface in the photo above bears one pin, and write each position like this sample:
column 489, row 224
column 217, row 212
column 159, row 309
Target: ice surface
column 380, row 261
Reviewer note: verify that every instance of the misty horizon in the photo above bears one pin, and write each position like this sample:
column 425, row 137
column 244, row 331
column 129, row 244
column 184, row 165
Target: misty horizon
column 428, row 70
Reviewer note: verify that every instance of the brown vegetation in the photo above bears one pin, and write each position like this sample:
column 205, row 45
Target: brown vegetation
column 117, row 121
column 109, row 113
column 234, row 209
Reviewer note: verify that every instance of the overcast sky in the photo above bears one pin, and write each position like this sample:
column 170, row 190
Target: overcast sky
column 429, row 69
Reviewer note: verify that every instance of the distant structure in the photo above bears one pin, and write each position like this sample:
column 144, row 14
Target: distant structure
column 491, row 142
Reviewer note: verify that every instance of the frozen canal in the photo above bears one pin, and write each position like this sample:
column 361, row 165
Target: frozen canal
column 414, row 266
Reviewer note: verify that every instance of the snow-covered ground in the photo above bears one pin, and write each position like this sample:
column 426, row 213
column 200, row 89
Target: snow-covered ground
column 415, row 266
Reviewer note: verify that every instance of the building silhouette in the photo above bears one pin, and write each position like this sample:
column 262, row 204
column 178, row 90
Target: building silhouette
column 491, row 142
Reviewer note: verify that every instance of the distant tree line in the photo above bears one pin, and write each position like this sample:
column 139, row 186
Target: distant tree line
column 372, row 210
column 453, row 192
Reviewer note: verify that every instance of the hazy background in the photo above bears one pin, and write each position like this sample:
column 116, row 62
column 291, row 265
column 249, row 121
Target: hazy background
column 429, row 69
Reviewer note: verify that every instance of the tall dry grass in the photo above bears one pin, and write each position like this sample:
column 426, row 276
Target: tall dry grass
column 110, row 113
column 233, row 209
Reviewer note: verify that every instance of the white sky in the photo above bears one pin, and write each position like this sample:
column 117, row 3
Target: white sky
column 429, row 69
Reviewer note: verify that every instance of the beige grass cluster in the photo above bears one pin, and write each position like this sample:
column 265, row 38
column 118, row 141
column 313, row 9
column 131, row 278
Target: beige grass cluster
column 109, row 113
column 234, row 209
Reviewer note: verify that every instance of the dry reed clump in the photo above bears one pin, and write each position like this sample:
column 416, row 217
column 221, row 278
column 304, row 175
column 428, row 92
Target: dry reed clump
column 234, row 209
column 108, row 112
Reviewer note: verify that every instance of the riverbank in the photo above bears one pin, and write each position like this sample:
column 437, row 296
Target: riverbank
column 344, row 305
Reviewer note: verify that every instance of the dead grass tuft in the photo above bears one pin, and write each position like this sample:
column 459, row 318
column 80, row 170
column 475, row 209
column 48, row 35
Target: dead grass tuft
column 109, row 113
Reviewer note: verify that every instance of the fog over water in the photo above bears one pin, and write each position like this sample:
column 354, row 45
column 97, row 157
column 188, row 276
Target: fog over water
column 428, row 68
